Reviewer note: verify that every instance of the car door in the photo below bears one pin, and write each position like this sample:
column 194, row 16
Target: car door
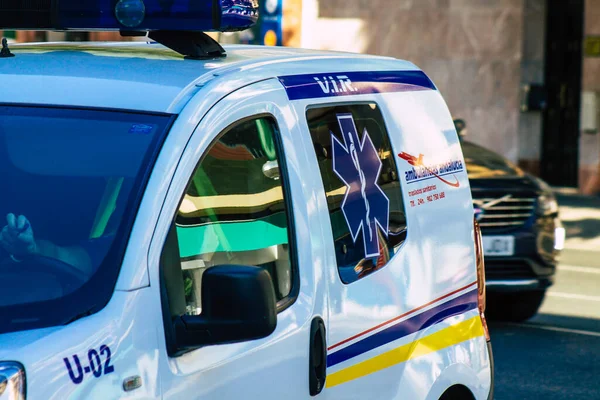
column 237, row 197
column 396, row 205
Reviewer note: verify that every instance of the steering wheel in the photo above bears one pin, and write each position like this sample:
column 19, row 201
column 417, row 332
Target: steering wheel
column 70, row 277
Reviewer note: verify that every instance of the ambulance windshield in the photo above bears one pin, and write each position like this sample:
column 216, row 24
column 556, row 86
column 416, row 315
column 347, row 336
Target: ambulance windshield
column 71, row 184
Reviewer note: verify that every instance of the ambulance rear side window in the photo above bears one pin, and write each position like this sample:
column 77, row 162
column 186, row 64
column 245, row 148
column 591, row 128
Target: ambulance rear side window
column 361, row 183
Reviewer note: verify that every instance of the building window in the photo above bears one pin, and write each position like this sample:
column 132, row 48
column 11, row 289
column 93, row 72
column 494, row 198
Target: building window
column 361, row 183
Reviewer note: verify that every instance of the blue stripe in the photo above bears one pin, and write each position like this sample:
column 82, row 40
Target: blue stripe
column 352, row 83
column 456, row 306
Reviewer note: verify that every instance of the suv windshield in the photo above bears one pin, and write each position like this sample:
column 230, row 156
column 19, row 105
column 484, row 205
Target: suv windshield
column 484, row 163
column 71, row 185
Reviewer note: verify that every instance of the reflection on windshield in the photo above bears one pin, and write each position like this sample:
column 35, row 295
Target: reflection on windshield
column 483, row 163
column 68, row 179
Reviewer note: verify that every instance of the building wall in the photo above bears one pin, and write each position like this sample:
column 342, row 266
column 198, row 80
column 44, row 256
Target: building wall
column 292, row 23
column 532, row 72
column 472, row 50
column 589, row 148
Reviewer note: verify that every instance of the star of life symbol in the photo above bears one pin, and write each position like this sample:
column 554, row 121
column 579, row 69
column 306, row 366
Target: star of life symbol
column 365, row 205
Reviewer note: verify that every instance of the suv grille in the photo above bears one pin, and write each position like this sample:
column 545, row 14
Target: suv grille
column 504, row 211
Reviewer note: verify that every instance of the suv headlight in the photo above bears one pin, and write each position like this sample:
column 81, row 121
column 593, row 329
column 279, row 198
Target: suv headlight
column 12, row 381
column 547, row 204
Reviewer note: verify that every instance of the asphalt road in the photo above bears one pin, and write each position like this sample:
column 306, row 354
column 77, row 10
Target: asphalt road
column 555, row 355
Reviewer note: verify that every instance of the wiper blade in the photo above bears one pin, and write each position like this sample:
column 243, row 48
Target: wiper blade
column 80, row 315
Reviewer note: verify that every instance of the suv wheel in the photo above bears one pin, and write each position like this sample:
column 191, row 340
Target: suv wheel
column 515, row 307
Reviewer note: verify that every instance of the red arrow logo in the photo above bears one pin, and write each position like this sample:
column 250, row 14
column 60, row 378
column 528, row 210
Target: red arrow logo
column 418, row 162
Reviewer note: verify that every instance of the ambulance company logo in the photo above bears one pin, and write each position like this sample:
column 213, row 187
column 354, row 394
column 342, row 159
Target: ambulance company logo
column 339, row 84
column 365, row 205
column 420, row 171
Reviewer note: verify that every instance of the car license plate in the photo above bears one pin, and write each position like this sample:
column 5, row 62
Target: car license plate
column 498, row 245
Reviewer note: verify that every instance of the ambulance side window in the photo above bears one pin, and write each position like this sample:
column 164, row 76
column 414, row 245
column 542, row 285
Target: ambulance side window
column 235, row 210
column 361, row 183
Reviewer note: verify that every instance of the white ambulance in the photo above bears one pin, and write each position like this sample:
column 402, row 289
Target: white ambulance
column 191, row 222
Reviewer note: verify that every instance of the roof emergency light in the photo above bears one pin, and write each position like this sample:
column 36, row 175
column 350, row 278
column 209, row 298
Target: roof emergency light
column 177, row 24
column 129, row 15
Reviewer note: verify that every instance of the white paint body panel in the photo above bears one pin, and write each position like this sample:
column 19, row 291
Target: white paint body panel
column 126, row 324
column 436, row 259
column 275, row 367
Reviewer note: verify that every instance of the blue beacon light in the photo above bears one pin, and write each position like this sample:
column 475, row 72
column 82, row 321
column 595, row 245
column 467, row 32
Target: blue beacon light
column 130, row 15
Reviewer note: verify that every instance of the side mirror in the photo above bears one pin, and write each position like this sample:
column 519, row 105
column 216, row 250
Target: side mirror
column 460, row 126
column 238, row 304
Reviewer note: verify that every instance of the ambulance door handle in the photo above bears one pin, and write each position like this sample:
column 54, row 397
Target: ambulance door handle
column 317, row 357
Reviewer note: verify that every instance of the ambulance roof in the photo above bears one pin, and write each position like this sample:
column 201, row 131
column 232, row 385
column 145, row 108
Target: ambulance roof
column 149, row 77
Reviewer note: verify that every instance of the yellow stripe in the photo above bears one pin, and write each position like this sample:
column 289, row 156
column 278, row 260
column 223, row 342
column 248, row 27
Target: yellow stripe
column 447, row 337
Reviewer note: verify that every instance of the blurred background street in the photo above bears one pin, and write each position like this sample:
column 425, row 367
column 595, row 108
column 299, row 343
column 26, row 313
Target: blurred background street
column 556, row 354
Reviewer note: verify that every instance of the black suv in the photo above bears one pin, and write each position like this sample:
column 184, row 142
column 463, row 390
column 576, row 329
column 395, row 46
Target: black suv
column 522, row 233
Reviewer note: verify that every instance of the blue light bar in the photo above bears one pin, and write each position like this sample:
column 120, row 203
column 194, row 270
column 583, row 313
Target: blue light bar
column 129, row 15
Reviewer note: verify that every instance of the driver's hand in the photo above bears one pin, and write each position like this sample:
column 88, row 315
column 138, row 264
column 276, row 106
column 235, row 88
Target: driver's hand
column 17, row 236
